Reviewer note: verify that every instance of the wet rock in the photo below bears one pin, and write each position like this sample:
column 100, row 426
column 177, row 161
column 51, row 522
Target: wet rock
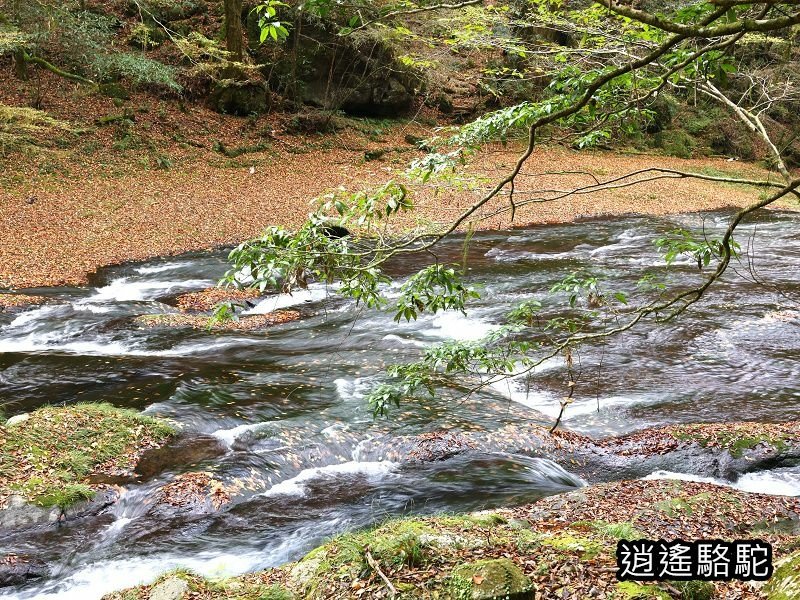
column 195, row 493
column 103, row 498
column 723, row 450
column 173, row 588
column 185, row 451
column 491, row 579
column 20, row 514
column 18, row 569
column 206, row 300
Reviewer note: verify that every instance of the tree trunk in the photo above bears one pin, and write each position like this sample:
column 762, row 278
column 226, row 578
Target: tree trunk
column 234, row 39
column 20, row 65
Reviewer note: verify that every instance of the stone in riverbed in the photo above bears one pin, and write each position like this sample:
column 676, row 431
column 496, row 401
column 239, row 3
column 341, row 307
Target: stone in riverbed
column 206, row 300
column 16, row 569
column 173, row 588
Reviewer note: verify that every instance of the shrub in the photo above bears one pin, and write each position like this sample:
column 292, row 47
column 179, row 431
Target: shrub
column 139, row 70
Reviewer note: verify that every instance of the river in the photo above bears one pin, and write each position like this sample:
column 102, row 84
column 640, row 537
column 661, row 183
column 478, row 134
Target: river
column 734, row 356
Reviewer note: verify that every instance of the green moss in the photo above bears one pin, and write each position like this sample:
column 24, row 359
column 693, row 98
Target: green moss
column 489, row 579
column 65, row 496
column 733, row 442
column 637, row 591
column 587, row 548
column 785, row 581
column 620, row 531
column 676, row 143
column 399, row 543
column 48, row 457
column 694, row 590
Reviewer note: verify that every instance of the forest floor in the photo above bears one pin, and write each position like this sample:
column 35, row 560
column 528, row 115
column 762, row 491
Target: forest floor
column 58, row 230
column 161, row 178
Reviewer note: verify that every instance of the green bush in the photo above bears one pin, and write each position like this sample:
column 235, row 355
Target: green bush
column 139, row 70
column 676, row 143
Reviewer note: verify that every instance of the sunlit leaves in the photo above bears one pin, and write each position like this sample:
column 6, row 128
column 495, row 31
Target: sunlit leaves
column 268, row 22
column 681, row 242
column 434, row 288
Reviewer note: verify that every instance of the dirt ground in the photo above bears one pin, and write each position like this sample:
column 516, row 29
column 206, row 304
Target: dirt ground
column 58, row 230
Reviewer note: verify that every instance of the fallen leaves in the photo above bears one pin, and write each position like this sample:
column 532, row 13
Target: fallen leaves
column 245, row 323
column 10, row 301
column 206, row 300
column 197, row 488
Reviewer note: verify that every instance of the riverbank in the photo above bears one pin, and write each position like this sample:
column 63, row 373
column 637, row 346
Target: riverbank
column 560, row 547
column 60, row 229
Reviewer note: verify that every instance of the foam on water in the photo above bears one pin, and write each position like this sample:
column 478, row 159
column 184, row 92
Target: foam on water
column 149, row 270
column 313, row 294
column 125, row 289
column 37, row 314
column 512, row 256
column 391, row 337
column 455, row 326
column 296, row 485
column 96, row 579
column 229, row 436
column 777, row 482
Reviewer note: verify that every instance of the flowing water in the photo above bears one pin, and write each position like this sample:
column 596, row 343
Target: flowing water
column 301, row 387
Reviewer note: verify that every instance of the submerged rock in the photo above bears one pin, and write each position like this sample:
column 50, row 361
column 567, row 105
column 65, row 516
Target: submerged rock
column 18, row 569
column 182, row 451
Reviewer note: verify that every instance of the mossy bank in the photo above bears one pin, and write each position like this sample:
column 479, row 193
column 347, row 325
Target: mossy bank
column 559, row 547
column 59, row 456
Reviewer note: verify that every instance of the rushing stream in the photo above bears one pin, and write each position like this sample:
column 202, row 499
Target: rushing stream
column 734, row 356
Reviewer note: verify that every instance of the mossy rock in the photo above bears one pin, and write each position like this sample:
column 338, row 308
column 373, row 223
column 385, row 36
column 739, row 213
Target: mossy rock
column 113, row 90
column 490, row 579
column 240, row 98
column 48, row 458
column 400, row 544
column 586, row 548
column 638, row 591
column 785, row 581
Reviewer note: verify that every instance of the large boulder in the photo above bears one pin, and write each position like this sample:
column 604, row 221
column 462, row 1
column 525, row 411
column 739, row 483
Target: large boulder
column 491, row 579
column 357, row 74
column 239, row 97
